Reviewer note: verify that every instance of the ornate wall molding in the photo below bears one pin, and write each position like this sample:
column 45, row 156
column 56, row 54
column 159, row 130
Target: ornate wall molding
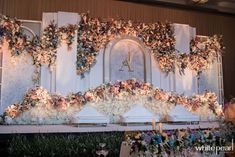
column 147, row 57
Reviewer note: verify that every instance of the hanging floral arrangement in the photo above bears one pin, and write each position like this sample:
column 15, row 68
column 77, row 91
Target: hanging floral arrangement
column 94, row 34
column 67, row 34
column 11, row 32
column 43, row 49
column 204, row 51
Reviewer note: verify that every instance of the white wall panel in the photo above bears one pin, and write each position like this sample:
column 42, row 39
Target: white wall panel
column 94, row 77
column 209, row 79
column 156, row 73
column 96, row 73
column 16, row 77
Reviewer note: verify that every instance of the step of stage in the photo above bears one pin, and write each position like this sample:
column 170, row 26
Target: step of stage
column 18, row 129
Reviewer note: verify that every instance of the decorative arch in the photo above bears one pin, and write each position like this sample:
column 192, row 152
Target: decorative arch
column 30, row 31
column 107, row 57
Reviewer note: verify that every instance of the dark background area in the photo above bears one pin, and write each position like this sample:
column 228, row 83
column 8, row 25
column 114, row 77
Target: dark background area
column 206, row 22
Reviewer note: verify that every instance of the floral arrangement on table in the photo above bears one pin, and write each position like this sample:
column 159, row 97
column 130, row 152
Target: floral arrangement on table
column 112, row 99
column 178, row 142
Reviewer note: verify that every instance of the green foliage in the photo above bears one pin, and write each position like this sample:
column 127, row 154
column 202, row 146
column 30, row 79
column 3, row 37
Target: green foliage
column 84, row 145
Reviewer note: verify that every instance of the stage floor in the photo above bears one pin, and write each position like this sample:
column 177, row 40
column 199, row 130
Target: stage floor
column 16, row 129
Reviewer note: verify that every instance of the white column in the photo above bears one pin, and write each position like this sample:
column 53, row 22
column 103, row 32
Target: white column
column 156, row 73
column 96, row 73
column 187, row 82
column 66, row 75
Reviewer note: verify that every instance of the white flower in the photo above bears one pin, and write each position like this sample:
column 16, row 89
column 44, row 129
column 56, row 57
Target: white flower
column 8, row 120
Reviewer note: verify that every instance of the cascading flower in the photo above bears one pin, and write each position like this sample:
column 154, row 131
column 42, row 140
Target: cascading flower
column 67, row 34
column 203, row 52
column 93, row 34
column 114, row 99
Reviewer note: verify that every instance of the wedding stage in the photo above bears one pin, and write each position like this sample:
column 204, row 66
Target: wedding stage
column 159, row 81
column 128, row 75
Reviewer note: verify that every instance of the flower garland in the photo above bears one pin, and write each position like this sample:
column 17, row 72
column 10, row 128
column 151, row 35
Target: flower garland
column 118, row 98
column 94, row 34
column 46, row 48
column 110, row 99
column 43, row 50
column 39, row 107
column 178, row 142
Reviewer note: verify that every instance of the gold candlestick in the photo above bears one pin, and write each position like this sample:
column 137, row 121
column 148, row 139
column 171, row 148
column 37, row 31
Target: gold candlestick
column 154, row 124
column 160, row 127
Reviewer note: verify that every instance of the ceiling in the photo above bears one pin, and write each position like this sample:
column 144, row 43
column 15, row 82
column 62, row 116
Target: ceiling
column 214, row 6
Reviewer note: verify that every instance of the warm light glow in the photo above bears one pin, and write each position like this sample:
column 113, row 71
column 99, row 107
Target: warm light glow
column 200, row 1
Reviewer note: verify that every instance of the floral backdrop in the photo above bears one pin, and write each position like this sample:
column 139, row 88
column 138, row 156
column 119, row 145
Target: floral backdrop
column 94, row 34
column 38, row 106
column 112, row 99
